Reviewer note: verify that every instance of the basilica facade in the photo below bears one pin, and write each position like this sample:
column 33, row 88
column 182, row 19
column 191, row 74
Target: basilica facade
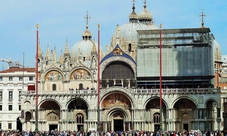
column 128, row 94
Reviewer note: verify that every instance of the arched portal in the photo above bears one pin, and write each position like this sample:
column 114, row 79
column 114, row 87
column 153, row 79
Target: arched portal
column 79, row 110
column 118, row 119
column 116, row 108
column 153, row 109
column 185, row 112
column 51, row 111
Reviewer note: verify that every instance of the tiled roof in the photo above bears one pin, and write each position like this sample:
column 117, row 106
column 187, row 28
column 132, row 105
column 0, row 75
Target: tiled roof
column 16, row 69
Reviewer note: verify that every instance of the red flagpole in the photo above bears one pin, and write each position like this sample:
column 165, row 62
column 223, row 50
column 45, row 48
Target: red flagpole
column 98, row 78
column 160, row 76
column 36, row 86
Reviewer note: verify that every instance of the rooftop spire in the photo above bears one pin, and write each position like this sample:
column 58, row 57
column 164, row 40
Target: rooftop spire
column 61, row 60
column 202, row 16
column 39, row 50
column 66, row 48
column 48, row 52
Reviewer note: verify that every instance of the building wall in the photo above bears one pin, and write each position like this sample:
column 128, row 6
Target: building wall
column 15, row 85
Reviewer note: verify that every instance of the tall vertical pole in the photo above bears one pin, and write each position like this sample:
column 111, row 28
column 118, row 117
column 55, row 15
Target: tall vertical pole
column 98, row 78
column 160, row 76
column 36, row 80
column 23, row 72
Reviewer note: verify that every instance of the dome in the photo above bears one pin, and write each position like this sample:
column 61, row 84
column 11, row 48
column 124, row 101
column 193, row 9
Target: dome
column 83, row 48
column 128, row 31
column 217, row 51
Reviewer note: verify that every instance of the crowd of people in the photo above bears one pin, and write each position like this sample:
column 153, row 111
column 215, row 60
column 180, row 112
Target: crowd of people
column 112, row 133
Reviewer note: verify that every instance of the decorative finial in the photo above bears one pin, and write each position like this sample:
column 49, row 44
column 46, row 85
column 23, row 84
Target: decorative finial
column 37, row 26
column 98, row 26
column 133, row 1
column 145, row 3
column 87, row 17
column 202, row 16
column 160, row 25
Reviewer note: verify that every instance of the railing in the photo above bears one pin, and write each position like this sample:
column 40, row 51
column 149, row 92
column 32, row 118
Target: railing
column 137, row 91
column 177, row 91
column 62, row 92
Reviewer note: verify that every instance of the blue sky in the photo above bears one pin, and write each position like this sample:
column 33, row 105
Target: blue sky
column 61, row 19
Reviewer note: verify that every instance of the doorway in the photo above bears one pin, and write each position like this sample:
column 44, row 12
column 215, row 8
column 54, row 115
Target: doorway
column 53, row 127
column 19, row 124
column 156, row 127
column 185, row 127
column 80, row 127
column 118, row 125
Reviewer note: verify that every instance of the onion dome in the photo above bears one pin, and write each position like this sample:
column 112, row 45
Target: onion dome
column 145, row 15
column 217, row 51
column 87, row 34
column 133, row 16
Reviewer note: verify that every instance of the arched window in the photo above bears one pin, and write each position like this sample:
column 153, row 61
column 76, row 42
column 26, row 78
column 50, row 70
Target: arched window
column 79, row 118
column 129, row 47
column 81, row 86
column 54, row 87
column 156, row 118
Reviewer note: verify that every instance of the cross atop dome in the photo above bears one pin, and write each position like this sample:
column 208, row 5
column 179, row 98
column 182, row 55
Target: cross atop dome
column 87, row 34
column 87, row 18
column 202, row 16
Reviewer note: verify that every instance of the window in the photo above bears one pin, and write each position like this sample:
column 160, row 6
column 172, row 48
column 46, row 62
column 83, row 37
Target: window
column 129, row 47
column 0, row 107
column 10, row 78
column 81, row 86
column 19, row 107
column 10, row 95
column 10, row 107
column 30, row 78
column 0, row 78
column 79, row 118
column 54, row 87
column 0, row 125
column 0, row 95
column 156, row 118
column 19, row 95
column 9, row 125
column 20, row 78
